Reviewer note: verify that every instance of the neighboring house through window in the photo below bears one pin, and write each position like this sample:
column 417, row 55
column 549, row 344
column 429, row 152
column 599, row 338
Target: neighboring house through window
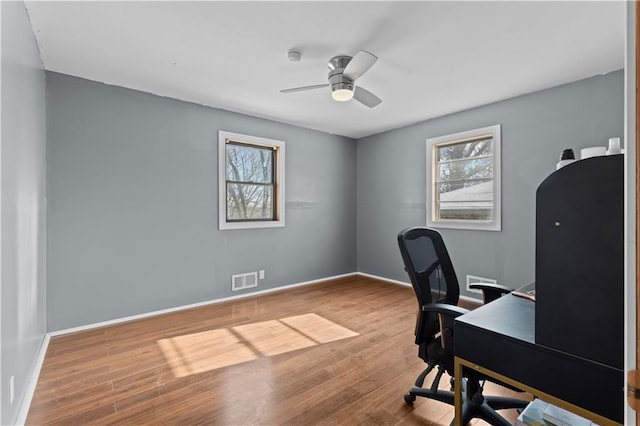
column 251, row 177
column 463, row 180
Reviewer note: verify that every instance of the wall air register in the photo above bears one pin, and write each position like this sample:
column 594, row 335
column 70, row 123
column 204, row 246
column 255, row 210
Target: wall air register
column 244, row 281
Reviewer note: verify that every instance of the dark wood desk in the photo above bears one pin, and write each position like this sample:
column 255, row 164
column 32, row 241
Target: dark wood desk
column 498, row 340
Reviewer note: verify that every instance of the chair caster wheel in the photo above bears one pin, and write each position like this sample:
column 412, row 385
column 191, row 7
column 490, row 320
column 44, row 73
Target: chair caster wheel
column 409, row 398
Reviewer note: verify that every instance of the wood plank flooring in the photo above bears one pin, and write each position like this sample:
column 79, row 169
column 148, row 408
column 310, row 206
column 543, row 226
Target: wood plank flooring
column 338, row 352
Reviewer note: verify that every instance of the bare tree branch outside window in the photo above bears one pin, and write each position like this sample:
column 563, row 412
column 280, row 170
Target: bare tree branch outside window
column 464, row 183
column 463, row 180
column 250, row 171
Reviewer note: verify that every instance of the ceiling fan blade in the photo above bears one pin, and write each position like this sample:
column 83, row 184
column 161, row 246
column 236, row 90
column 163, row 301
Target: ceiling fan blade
column 359, row 64
column 365, row 97
column 300, row 89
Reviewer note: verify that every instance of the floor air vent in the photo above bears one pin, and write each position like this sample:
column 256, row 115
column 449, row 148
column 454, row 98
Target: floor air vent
column 242, row 281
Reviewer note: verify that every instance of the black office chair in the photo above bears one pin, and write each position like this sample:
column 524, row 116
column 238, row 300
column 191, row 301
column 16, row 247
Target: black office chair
column 434, row 281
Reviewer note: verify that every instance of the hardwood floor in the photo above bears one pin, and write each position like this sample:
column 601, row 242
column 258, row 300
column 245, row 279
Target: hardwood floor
column 339, row 352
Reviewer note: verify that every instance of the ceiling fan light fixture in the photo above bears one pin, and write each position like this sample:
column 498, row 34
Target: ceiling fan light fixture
column 342, row 95
column 342, row 92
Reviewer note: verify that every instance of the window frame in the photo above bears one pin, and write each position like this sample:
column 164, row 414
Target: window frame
column 278, row 185
column 432, row 180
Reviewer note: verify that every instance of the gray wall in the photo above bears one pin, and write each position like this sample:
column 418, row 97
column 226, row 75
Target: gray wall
column 535, row 129
column 132, row 219
column 23, row 204
column 132, row 214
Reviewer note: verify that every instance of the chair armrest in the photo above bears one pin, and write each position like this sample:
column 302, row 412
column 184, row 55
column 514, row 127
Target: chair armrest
column 451, row 311
column 490, row 292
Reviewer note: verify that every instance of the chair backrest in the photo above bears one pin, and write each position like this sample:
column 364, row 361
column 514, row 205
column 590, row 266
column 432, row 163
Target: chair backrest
column 432, row 276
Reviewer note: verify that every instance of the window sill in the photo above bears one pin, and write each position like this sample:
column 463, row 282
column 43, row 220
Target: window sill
column 250, row 225
column 466, row 225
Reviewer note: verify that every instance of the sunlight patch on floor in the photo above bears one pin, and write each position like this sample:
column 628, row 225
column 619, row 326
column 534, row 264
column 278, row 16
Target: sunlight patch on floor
column 209, row 350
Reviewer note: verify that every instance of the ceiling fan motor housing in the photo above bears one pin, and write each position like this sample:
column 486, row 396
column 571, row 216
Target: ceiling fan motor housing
column 339, row 62
column 337, row 80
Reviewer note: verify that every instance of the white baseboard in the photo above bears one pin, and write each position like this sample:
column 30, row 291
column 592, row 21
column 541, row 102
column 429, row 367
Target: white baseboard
column 375, row 277
column 389, row 280
column 227, row 299
column 32, row 382
column 191, row 306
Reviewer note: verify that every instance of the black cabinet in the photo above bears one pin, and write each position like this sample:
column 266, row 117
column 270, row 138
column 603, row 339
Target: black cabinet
column 580, row 260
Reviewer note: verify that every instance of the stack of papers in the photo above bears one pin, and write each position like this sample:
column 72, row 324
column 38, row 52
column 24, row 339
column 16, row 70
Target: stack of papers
column 540, row 413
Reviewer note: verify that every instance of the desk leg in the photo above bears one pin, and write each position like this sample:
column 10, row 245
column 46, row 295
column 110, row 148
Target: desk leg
column 457, row 390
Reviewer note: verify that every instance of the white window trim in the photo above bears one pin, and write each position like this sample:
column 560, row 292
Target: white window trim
column 496, row 223
column 223, row 136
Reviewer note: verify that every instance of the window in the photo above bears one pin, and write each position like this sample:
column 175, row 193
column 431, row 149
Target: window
column 463, row 183
column 251, row 181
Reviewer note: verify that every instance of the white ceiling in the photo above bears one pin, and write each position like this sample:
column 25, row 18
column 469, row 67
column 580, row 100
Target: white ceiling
column 435, row 57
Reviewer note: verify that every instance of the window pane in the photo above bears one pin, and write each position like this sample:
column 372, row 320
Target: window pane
column 465, row 200
column 469, row 149
column 463, row 180
column 250, row 182
column 480, row 168
column 249, row 202
column 249, row 164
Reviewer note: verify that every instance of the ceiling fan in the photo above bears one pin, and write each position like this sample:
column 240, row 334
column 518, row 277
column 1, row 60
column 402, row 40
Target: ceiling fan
column 343, row 73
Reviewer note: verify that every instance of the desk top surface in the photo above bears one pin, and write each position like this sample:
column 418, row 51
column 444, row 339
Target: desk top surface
column 510, row 316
